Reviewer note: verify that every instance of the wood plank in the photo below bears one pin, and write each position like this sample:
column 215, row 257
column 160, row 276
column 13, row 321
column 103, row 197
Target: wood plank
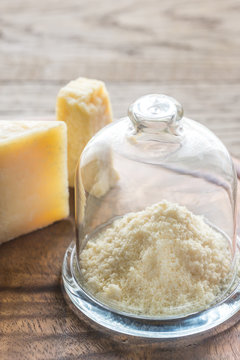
column 134, row 40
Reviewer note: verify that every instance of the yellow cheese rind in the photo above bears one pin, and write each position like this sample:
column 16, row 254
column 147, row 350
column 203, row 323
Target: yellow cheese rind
column 85, row 107
column 33, row 176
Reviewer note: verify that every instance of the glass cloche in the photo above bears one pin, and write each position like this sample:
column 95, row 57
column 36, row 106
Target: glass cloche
column 156, row 252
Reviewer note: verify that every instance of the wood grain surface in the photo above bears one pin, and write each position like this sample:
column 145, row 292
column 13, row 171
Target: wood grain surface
column 188, row 49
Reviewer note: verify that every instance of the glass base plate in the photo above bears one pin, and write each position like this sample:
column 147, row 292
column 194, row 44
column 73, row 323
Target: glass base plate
column 164, row 333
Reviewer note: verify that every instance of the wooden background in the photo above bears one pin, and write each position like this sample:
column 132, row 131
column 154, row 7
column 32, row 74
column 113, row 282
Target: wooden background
column 187, row 49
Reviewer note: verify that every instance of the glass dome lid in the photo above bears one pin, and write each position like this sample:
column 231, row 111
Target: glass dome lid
column 156, row 214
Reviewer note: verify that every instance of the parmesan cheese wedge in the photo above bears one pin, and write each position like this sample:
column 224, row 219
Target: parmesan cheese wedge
column 33, row 176
column 85, row 107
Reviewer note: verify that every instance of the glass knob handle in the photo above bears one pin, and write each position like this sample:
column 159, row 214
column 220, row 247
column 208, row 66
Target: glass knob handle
column 155, row 112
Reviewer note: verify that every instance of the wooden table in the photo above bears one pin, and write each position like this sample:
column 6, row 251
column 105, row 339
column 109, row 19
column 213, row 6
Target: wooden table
column 187, row 49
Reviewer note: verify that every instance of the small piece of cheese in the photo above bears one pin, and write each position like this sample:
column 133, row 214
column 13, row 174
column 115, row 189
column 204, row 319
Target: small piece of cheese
column 98, row 174
column 33, row 176
column 85, row 107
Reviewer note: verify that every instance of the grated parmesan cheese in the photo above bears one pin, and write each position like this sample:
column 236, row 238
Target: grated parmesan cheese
column 161, row 261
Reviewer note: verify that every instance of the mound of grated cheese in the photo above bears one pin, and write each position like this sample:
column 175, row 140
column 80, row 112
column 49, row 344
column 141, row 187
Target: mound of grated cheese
column 161, row 261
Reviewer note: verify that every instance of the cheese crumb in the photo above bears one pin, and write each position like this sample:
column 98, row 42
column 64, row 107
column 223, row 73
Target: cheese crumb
column 98, row 174
column 161, row 261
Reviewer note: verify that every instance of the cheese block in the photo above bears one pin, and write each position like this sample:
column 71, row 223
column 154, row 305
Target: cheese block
column 85, row 107
column 33, row 176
